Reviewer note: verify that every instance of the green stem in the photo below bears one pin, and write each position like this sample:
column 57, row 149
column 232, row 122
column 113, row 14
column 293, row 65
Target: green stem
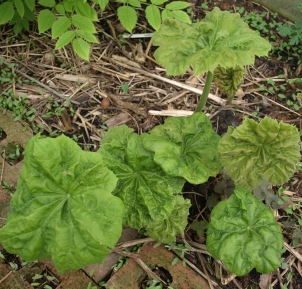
column 205, row 92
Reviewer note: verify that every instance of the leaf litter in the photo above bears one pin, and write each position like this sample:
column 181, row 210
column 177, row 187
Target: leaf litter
column 68, row 96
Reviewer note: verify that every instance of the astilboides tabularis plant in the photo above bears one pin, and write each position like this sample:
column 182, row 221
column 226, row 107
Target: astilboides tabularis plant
column 70, row 204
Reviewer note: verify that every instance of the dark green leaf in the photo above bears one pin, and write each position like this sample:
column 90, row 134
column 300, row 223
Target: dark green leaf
column 7, row 12
column 147, row 192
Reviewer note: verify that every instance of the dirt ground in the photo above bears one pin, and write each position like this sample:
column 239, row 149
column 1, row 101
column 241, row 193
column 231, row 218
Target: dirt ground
column 122, row 84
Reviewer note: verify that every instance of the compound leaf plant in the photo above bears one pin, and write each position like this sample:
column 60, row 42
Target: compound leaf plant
column 74, row 203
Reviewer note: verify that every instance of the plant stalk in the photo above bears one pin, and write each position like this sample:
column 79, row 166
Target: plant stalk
column 205, row 92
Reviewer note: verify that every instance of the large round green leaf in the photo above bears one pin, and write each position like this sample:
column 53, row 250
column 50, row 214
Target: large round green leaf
column 148, row 193
column 63, row 208
column 185, row 147
column 244, row 234
column 221, row 38
column 253, row 152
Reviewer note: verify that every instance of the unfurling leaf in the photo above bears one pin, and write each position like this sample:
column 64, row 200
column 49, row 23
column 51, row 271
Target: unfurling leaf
column 253, row 152
column 146, row 191
column 221, row 38
column 63, row 208
column 166, row 230
column 228, row 80
column 127, row 16
column 185, row 147
column 244, row 234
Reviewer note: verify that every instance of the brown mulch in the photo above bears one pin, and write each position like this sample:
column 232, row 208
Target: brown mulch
column 122, row 84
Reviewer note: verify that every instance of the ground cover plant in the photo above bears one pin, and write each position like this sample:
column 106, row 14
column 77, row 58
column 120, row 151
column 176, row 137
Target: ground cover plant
column 136, row 180
column 74, row 21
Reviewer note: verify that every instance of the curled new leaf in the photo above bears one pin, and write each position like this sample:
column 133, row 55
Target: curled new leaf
column 186, row 147
column 244, row 234
column 221, row 38
column 228, row 79
column 253, row 152
column 63, row 208
column 165, row 230
column 146, row 191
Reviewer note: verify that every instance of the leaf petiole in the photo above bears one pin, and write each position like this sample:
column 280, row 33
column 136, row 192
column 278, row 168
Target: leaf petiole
column 205, row 93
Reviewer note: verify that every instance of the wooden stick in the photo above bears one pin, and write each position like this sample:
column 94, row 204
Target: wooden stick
column 213, row 97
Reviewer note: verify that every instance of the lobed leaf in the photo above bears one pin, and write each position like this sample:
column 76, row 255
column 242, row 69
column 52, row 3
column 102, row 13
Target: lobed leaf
column 221, row 38
column 253, row 152
column 7, row 12
column 45, row 20
column 185, row 147
column 82, row 48
column 244, row 234
column 63, row 208
column 127, row 16
column 165, row 230
column 146, row 191
column 153, row 16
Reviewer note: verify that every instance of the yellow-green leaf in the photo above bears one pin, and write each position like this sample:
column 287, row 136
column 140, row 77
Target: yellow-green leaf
column 65, row 39
column 127, row 16
column 81, row 48
column 60, row 26
column 45, row 20
column 83, row 23
column 153, row 16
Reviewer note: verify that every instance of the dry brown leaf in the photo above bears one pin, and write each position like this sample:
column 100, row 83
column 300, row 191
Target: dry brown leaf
column 139, row 53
